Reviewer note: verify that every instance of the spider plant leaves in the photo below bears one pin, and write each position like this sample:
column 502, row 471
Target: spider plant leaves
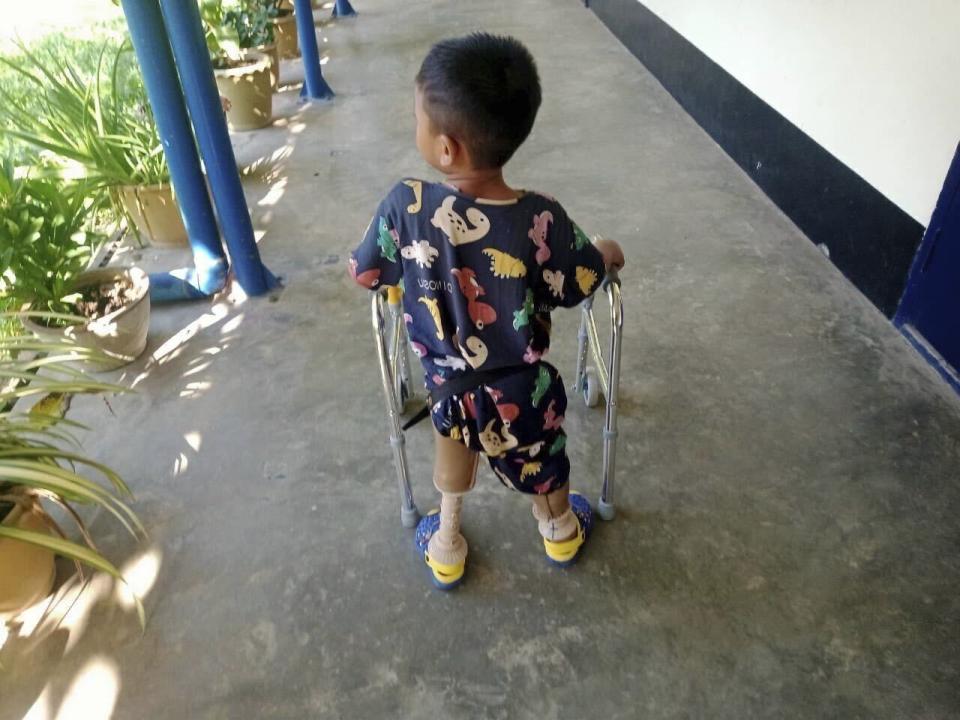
column 52, row 478
column 39, row 458
column 102, row 122
column 72, row 457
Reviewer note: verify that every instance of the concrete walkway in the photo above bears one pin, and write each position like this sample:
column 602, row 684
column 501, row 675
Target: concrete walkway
column 789, row 510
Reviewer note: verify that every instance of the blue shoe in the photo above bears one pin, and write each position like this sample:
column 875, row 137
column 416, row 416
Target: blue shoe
column 566, row 552
column 445, row 577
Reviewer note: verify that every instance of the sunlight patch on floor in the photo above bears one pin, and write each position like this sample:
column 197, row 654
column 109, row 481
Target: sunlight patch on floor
column 93, row 693
column 174, row 345
column 274, row 194
column 194, row 440
column 140, row 575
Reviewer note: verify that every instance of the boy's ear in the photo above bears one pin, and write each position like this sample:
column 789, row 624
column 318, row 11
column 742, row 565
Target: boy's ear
column 450, row 150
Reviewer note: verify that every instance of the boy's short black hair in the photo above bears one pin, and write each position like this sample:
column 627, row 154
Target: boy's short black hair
column 483, row 90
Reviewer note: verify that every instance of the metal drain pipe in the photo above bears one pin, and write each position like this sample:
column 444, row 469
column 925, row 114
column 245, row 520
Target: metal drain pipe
column 152, row 47
column 314, row 86
column 343, row 8
column 182, row 19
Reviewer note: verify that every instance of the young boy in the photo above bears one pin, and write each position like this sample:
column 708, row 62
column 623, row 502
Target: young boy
column 482, row 265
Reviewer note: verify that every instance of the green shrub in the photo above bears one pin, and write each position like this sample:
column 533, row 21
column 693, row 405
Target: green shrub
column 250, row 21
column 229, row 25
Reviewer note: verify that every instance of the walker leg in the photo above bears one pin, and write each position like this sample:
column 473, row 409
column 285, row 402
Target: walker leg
column 404, row 360
column 605, row 504
column 409, row 515
column 580, row 376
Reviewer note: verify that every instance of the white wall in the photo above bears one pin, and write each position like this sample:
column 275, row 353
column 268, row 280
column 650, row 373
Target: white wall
column 875, row 82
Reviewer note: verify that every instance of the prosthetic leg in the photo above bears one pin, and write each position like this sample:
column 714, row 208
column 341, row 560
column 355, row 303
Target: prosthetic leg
column 438, row 534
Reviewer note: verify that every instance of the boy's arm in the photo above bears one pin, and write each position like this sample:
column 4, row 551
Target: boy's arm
column 611, row 251
column 376, row 261
column 576, row 266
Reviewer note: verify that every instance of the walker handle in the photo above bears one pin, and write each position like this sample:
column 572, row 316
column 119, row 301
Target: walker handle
column 612, row 277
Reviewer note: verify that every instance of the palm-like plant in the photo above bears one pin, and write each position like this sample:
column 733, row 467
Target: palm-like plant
column 39, row 458
column 101, row 124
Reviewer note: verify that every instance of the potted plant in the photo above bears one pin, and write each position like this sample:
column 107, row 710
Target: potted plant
column 285, row 27
column 243, row 75
column 45, row 250
column 253, row 28
column 38, row 467
column 100, row 126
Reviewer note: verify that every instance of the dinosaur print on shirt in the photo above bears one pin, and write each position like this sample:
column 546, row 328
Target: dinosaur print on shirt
column 480, row 277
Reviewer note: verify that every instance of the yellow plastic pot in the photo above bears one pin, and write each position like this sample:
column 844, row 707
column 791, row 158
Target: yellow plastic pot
column 154, row 211
column 27, row 571
column 247, row 88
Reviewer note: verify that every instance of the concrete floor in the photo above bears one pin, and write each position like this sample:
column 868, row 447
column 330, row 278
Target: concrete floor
column 789, row 511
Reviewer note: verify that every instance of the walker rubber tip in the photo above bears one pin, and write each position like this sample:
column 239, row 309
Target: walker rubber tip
column 605, row 510
column 409, row 517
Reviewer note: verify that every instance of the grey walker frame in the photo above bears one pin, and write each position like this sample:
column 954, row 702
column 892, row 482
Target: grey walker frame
column 604, row 379
column 395, row 373
column 390, row 334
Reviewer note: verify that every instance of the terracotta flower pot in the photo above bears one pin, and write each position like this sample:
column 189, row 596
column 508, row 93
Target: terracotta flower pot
column 285, row 35
column 27, row 571
column 122, row 334
column 154, row 211
column 247, row 88
column 273, row 55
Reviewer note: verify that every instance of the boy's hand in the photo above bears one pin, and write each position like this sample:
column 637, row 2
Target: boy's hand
column 611, row 251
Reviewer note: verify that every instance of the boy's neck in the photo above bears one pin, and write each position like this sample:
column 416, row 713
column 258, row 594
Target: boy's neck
column 482, row 184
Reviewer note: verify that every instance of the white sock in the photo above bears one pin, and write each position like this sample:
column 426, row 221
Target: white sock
column 562, row 527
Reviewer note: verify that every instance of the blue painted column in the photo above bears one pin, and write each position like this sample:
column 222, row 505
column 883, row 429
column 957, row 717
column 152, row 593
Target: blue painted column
column 182, row 19
column 343, row 8
column 166, row 100
column 314, row 87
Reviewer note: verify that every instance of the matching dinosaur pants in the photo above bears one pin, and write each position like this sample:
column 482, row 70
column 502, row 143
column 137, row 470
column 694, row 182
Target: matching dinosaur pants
column 517, row 422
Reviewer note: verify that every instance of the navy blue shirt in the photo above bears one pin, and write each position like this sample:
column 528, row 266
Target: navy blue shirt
column 480, row 277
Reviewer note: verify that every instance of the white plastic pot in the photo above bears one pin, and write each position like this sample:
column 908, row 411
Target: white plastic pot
column 120, row 335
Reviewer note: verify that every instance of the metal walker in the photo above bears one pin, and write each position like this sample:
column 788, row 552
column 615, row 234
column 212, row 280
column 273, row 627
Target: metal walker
column 390, row 334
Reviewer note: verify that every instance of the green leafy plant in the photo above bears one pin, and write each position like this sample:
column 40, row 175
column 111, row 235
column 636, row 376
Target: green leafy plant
column 99, row 126
column 44, row 241
column 233, row 25
column 40, row 460
column 211, row 18
column 251, row 23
